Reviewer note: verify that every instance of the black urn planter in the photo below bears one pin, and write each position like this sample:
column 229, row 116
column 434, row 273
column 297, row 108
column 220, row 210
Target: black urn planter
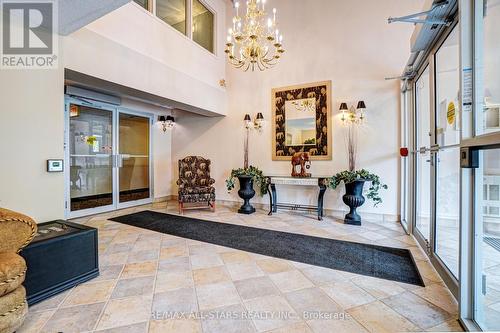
column 246, row 192
column 353, row 198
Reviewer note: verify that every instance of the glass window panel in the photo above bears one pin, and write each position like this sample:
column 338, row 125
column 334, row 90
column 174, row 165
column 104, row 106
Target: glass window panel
column 143, row 3
column 488, row 239
column 423, row 209
column 173, row 12
column 488, row 67
column 494, row 195
column 90, row 144
column 203, row 26
column 448, row 207
column 447, row 91
column 134, row 155
column 423, row 97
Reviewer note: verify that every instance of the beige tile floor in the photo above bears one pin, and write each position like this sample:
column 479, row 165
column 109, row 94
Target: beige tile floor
column 153, row 282
column 447, row 250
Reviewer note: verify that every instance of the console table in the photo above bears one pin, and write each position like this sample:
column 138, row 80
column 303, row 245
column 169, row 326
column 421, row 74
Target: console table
column 320, row 181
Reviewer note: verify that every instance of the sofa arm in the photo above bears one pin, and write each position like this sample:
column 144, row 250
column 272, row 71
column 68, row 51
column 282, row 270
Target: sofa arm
column 16, row 231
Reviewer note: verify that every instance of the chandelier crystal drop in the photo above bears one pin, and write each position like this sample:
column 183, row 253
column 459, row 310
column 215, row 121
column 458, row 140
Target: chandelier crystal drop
column 254, row 41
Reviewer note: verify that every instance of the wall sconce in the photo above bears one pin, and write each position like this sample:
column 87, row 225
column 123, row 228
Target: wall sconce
column 351, row 114
column 256, row 124
column 166, row 122
column 249, row 124
column 343, row 108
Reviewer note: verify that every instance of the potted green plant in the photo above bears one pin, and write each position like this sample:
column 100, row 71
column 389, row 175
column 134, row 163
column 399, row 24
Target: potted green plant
column 354, row 182
column 353, row 179
column 247, row 178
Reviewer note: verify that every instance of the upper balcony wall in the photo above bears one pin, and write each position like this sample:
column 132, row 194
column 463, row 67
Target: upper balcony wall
column 134, row 48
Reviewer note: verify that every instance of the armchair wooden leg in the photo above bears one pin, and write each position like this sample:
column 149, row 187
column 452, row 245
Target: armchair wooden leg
column 181, row 208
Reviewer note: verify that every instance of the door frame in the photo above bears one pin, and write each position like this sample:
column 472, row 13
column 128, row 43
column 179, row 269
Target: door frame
column 424, row 243
column 471, row 211
column 430, row 248
column 128, row 204
column 115, row 110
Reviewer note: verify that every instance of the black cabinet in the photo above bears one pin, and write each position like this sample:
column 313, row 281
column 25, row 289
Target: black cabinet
column 62, row 255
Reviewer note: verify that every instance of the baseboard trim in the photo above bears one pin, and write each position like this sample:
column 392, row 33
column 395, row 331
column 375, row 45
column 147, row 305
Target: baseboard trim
column 335, row 213
column 165, row 198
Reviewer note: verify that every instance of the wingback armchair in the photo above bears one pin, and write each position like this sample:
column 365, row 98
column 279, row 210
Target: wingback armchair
column 16, row 231
column 195, row 184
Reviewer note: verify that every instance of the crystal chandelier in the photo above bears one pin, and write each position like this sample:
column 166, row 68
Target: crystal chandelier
column 251, row 43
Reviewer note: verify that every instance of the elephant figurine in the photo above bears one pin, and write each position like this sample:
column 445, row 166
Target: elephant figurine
column 303, row 160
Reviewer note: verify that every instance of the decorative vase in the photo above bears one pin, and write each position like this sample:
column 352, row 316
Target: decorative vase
column 353, row 198
column 246, row 192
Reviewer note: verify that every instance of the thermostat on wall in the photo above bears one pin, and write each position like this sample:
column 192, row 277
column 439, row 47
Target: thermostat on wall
column 55, row 166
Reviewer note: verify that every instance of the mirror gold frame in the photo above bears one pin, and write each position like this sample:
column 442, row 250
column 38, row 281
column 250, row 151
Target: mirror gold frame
column 322, row 92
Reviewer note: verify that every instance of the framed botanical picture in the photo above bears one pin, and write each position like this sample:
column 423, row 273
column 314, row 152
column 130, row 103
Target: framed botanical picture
column 302, row 121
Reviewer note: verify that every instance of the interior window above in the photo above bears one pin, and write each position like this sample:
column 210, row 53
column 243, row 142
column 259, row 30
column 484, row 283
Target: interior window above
column 172, row 12
column 143, row 3
column 203, row 26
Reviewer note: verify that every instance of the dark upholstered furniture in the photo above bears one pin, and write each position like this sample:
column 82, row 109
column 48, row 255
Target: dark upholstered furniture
column 195, row 184
column 16, row 231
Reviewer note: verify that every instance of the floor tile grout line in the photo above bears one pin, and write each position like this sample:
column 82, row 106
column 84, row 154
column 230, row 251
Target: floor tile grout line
column 241, row 299
column 422, row 328
column 99, row 318
column 390, row 308
column 194, row 285
column 58, row 306
column 319, row 287
column 148, row 323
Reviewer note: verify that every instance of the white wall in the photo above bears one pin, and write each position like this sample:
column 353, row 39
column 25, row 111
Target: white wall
column 31, row 131
column 132, row 47
column 348, row 42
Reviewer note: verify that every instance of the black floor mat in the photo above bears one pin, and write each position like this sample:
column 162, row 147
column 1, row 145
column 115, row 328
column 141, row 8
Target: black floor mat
column 371, row 260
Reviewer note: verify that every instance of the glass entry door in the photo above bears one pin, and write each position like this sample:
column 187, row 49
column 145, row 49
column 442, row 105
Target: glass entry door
column 108, row 158
column 133, row 158
column 447, row 105
column 437, row 159
column 91, row 159
column 423, row 158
